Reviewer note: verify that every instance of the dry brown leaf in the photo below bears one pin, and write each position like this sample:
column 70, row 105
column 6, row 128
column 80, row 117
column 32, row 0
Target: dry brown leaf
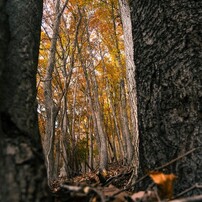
column 164, row 183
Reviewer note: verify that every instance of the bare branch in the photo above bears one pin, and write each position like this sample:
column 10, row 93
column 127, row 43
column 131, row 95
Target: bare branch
column 189, row 199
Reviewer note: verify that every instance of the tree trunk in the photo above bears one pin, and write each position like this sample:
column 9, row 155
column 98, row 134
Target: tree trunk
column 92, row 91
column 91, row 146
column 22, row 169
column 130, row 71
column 51, row 108
column 111, row 104
column 49, row 140
column 125, row 127
column 100, row 125
column 117, row 131
column 167, row 47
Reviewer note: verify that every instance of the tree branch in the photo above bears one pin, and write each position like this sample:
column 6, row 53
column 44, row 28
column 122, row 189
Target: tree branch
column 189, row 199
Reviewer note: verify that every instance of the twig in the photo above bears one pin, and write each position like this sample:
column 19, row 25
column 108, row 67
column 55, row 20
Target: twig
column 165, row 165
column 158, row 168
column 189, row 199
column 196, row 186
column 176, row 159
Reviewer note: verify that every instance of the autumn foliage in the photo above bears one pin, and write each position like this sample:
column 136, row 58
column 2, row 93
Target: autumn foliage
column 85, row 89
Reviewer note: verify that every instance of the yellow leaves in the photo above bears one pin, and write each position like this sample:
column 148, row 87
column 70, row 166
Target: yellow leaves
column 164, row 183
column 80, row 3
column 98, row 39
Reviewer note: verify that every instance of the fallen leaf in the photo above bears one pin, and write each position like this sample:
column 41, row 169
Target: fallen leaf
column 164, row 183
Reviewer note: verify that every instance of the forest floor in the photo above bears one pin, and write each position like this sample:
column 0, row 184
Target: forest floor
column 116, row 185
column 96, row 186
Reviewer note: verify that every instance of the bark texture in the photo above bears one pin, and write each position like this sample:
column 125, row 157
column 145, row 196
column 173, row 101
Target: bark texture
column 130, row 72
column 125, row 127
column 22, row 170
column 168, row 56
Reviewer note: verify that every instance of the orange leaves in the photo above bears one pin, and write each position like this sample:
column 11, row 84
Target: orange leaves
column 161, row 178
column 89, row 36
column 164, row 183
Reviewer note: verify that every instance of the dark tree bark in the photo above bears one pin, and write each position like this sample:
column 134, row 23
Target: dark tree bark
column 168, row 56
column 22, row 170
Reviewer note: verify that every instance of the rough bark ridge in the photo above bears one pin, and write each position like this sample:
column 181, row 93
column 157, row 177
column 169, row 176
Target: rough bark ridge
column 168, row 57
column 22, row 170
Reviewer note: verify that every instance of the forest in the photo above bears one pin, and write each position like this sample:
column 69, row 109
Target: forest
column 84, row 113
column 100, row 101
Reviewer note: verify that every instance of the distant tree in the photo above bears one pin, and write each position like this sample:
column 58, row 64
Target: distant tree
column 168, row 57
column 51, row 154
column 22, row 169
column 131, row 83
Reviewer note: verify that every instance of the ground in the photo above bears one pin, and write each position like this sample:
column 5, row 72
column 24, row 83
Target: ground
column 116, row 185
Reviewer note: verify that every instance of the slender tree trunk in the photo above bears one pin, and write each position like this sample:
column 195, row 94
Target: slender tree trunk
column 93, row 96
column 167, row 47
column 116, row 40
column 90, row 152
column 120, row 142
column 22, row 168
column 51, row 108
column 113, row 136
column 67, row 129
column 49, row 104
column 101, row 139
column 64, row 140
column 73, row 138
column 89, row 98
column 125, row 125
column 65, row 143
column 99, row 116
column 100, row 126
column 125, row 128
column 130, row 72
column 121, row 147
